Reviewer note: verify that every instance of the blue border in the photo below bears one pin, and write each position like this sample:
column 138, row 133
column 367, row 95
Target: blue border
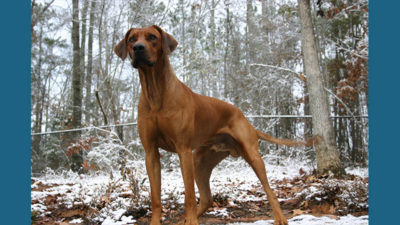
column 15, row 112
column 384, row 124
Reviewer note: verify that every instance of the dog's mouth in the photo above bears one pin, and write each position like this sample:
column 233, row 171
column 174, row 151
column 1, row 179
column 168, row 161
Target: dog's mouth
column 141, row 60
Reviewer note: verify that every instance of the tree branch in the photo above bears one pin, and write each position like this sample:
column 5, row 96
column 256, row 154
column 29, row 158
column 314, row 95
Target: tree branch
column 101, row 107
column 300, row 75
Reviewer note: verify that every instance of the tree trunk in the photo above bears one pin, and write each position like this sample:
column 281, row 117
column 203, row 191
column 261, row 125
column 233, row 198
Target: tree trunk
column 265, row 31
column 237, row 78
column 327, row 154
column 183, row 44
column 83, row 44
column 213, row 58
column 357, row 153
column 88, row 80
column 192, row 43
column 228, row 20
column 76, row 83
column 265, row 20
column 250, row 33
column 99, row 70
column 38, row 110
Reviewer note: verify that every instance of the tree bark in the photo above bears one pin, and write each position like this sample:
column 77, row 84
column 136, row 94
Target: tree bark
column 213, row 58
column 325, row 145
column 192, row 43
column 88, row 80
column 37, row 97
column 83, row 44
column 265, row 21
column 250, row 33
column 76, row 83
column 101, row 107
column 213, row 51
column 227, row 30
column 183, row 44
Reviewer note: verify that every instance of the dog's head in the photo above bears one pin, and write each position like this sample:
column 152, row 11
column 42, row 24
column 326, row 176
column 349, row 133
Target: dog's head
column 145, row 46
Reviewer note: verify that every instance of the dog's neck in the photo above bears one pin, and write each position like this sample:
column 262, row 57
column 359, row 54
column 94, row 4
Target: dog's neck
column 155, row 80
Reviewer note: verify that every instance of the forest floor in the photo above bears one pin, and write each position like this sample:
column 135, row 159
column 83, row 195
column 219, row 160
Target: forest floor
column 69, row 198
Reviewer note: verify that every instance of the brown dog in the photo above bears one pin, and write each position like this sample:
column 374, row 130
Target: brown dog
column 174, row 118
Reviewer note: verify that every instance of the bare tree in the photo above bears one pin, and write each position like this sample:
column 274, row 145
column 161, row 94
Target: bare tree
column 89, row 68
column 226, row 52
column 76, row 80
column 212, row 48
column 37, row 16
column 182, row 39
column 250, row 32
column 83, row 43
column 325, row 146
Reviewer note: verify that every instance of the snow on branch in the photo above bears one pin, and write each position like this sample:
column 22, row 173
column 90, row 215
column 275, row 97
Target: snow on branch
column 303, row 78
column 300, row 75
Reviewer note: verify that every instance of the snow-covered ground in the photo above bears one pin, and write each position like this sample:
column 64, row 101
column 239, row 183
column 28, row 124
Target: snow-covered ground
column 232, row 178
column 312, row 220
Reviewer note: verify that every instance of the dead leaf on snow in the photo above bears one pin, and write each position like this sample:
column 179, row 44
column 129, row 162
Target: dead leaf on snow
column 301, row 172
column 311, row 179
column 334, row 217
column 105, row 199
column 64, row 223
column 299, row 212
column 325, row 208
column 74, row 212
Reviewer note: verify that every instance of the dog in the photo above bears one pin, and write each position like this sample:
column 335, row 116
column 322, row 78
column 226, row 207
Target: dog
column 174, row 118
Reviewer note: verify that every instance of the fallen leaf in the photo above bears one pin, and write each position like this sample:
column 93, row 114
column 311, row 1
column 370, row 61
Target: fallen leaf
column 298, row 212
column 71, row 213
column 334, row 217
column 302, row 77
column 301, row 172
column 64, row 223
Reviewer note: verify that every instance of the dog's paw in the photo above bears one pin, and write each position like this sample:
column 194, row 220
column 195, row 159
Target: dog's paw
column 189, row 222
column 181, row 223
column 282, row 221
column 155, row 222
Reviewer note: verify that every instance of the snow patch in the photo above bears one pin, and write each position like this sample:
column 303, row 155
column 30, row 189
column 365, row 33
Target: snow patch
column 79, row 220
column 231, row 179
column 219, row 212
column 362, row 172
column 312, row 220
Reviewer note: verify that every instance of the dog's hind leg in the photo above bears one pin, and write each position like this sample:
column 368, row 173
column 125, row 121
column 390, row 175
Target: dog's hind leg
column 205, row 160
column 253, row 157
column 245, row 134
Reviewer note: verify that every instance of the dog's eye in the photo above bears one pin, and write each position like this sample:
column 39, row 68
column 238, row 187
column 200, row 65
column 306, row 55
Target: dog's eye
column 152, row 37
column 132, row 39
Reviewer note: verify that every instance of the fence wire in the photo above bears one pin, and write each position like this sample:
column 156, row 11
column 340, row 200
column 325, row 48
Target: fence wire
column 50, row 149
column 135, row 123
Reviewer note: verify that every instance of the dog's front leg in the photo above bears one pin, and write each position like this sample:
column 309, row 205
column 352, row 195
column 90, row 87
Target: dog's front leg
column 153, row 168
column 187, row 168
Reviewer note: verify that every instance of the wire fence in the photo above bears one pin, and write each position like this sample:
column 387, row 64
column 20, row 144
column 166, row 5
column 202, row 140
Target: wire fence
column 52, row 148
column 135, row 123
column 85, row 128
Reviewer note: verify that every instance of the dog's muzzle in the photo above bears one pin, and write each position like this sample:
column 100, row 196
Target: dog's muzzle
column 140, row 56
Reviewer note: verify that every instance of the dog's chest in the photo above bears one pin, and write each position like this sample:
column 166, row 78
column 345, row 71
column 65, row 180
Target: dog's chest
column 172, row 127
column 171, row 123
column 166, row 133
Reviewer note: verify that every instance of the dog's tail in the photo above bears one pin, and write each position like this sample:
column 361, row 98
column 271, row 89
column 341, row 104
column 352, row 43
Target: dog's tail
column 267, row 137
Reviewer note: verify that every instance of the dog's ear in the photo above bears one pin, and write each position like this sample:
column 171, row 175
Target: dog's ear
column 120, row 49
column 169, row 43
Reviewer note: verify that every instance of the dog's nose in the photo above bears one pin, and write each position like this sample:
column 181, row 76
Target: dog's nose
column 139, row 47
